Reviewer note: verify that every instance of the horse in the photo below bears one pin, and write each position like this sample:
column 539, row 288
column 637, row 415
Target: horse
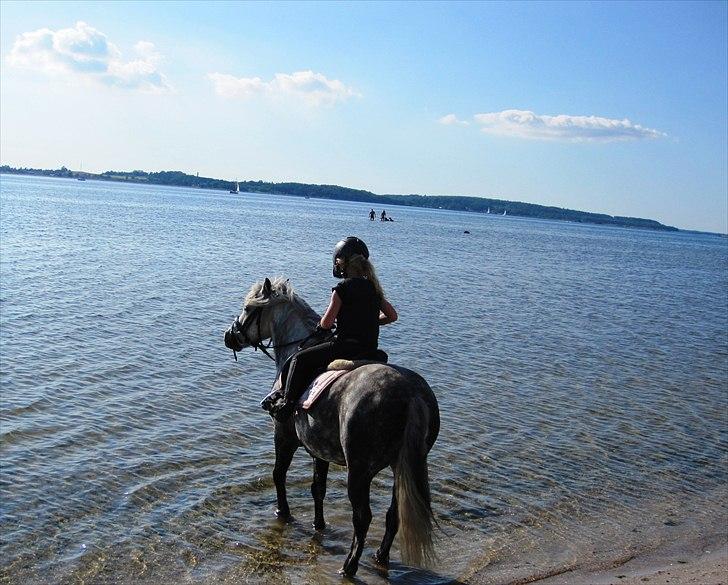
column 376, row 416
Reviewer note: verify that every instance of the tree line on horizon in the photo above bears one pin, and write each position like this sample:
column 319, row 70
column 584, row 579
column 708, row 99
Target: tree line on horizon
column 336, row 192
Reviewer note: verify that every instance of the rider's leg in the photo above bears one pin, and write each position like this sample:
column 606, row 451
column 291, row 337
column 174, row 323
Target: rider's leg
column 300, row 373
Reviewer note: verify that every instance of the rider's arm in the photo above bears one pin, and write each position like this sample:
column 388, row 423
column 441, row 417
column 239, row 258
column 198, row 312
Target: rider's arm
column 327, row 321
column 387, row 314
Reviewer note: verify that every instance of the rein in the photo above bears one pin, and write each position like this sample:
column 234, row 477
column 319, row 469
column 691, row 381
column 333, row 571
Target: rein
column 239, row 328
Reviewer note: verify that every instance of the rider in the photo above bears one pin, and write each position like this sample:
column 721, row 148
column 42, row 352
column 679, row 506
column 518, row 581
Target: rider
column 357, row 306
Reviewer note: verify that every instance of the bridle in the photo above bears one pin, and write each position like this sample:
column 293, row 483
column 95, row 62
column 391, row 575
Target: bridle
column 240, row 329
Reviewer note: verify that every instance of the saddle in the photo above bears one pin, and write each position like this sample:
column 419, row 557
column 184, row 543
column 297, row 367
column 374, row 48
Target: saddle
column 375, row 357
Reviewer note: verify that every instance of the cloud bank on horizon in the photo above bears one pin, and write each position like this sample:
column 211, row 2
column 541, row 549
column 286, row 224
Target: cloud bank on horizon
column 531, row 126
column 85, row 52
column 313, row 89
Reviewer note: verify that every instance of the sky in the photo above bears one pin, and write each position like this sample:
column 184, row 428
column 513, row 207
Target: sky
column 617, row 107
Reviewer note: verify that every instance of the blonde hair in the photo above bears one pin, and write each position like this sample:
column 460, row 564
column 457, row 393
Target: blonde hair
column 357, row 265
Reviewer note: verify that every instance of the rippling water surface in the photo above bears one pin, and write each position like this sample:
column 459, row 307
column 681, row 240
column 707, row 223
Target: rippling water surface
column 582, row 375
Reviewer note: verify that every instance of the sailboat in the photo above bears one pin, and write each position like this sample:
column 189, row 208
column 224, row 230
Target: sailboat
column 488, row 210
column 80, row 178
column 237, row 188
column 504, row 212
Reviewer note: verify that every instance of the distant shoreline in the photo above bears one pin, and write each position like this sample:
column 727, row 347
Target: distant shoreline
column 448, row 202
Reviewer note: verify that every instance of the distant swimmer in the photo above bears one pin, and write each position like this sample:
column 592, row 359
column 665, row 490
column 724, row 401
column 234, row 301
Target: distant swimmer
column 372, row 215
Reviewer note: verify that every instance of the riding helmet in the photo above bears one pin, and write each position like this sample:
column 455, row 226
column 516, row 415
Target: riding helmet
column 347, row 248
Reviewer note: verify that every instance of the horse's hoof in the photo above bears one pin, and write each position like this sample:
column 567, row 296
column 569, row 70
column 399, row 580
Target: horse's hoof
column 349, row 571
column 380, row 559
column 283, row 515
column 319, row 525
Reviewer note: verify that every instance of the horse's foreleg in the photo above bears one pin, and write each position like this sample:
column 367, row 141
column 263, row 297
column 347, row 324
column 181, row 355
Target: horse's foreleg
column 318, row 491
column 382, row 554
column 285, row 448
column 359, row 483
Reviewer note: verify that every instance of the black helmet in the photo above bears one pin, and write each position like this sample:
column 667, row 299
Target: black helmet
column 346, row 249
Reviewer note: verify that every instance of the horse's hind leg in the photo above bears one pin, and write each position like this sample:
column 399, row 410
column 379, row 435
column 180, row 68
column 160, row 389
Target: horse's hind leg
column 382, row 554
column 359, row 484
column 285, row 448
column 318, row 491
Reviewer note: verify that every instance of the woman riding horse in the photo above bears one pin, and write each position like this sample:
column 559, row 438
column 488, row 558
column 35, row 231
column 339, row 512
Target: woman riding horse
column 376, row 416
column 357, row 306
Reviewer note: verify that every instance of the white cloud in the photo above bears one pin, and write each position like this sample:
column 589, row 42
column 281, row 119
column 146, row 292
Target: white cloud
column 312, row 88
column 526, row 124
column 452, row 120
column 229, row 86
column 84, row 52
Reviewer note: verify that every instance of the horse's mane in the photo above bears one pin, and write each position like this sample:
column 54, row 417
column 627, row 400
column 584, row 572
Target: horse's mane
column 281, row 292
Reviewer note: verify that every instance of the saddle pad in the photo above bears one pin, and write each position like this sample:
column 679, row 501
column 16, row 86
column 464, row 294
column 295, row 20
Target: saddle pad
column 321, row 383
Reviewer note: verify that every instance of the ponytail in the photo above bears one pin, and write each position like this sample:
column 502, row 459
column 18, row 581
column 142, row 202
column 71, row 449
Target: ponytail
column 358, row 265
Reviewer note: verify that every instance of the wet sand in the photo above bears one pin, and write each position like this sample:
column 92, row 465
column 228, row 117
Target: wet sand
column 702, row 561
column 709, row 567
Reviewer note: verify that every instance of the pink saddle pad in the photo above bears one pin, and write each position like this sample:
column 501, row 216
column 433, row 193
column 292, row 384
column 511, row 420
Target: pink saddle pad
column 321, row 383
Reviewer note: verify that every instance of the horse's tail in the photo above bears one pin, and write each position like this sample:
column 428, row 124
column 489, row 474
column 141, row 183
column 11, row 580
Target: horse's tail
column 413, row 489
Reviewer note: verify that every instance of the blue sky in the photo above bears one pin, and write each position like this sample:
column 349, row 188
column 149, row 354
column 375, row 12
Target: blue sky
column 609, row 107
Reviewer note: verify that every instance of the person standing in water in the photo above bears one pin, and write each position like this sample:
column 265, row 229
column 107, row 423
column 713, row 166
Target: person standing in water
column 383, row 217
column 358, row 307
column 372, row 215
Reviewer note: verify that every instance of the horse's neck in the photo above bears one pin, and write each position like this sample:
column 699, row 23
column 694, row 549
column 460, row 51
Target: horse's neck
column 289, row 327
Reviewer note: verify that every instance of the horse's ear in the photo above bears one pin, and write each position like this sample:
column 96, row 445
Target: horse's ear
column 267, row 287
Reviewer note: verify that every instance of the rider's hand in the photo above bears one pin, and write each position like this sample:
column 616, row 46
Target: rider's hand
column 322, row 333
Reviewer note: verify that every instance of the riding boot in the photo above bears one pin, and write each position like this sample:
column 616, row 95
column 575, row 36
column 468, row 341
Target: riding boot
column 269, row 402
column 286, row 405
column 283, row 411
column 275, row 398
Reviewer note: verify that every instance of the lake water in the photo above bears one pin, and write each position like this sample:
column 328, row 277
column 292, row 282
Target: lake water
column 582, row 375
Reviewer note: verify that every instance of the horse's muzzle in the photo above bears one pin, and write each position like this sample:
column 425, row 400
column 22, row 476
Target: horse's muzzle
column 231, row 341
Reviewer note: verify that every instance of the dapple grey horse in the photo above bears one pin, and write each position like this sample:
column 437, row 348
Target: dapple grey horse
column 374, row 417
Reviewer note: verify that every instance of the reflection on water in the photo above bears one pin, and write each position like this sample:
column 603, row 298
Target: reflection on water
column 581, row 372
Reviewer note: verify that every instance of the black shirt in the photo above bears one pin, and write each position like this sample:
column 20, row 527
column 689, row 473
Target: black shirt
column 358, row 318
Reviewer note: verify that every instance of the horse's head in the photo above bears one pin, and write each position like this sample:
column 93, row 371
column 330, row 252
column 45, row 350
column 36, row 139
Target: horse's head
column 254, row 324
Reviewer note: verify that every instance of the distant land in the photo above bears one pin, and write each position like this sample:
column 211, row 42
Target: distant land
column 450, row 202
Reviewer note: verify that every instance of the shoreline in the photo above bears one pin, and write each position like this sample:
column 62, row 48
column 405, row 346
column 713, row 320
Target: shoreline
column 681, row 541
column 687, row 561
column 703, row 562
column 480, row 205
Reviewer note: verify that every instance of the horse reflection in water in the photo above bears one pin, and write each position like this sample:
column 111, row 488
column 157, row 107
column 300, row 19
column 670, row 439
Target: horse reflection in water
column 376, row 416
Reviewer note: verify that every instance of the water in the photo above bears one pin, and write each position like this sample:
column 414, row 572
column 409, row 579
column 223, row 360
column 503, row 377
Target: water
column 582, row 374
